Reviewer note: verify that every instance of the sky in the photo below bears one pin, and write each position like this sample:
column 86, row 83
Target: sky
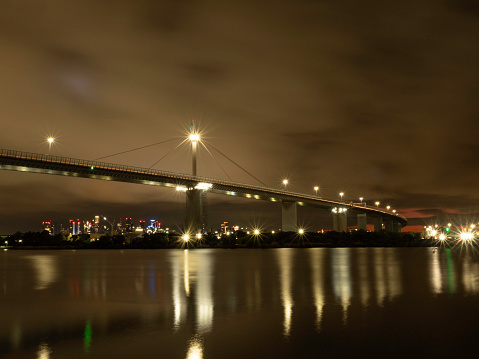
column 376, row 99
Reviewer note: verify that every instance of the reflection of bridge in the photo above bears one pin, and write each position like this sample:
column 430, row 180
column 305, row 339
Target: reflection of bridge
column 195, row 186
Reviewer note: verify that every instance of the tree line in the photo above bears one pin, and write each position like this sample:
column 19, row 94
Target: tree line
column 240, row 239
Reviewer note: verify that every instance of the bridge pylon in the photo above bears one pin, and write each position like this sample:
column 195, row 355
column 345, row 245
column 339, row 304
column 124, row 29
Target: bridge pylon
column 289, row 216
column 194, row 210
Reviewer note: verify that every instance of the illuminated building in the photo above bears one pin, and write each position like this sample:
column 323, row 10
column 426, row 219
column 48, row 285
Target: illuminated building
column 48, row 226
column 224, row 227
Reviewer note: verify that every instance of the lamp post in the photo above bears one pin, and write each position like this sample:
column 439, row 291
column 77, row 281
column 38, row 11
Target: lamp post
column 388, row 207
column 194, row 138
column 316, row 188
column 285, row 182
column 376, row 203
column 341, row 194
column 361, row 199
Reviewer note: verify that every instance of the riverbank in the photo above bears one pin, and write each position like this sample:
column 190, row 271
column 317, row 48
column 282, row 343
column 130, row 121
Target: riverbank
column 43, row 240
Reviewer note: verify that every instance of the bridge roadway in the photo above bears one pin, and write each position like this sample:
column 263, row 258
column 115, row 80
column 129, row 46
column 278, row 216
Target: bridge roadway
column 72, row 167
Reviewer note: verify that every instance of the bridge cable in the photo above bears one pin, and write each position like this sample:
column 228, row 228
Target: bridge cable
column 221, row 153
column 135, row 149
column 154, row 164
column 206, row 148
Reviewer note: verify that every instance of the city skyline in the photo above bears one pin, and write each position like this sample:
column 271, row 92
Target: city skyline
column 375, row 101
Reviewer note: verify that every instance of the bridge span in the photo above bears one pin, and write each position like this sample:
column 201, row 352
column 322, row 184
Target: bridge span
column 195, row 186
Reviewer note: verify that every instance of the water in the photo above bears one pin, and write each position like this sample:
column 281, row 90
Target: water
column 215, row 303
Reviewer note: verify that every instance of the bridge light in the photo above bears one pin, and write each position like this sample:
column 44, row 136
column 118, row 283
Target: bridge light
column 376, row 203
column 194, row 137
column 204, row 186
column 285, row 182
column 316, row 188
column 341, row 194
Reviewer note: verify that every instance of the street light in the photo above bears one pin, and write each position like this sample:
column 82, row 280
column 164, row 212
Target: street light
column 50, row 141
column 285, row 182
column 388, row 207
column 316, row 188
column 376, row 203
column 341, row 194
column 361, row 199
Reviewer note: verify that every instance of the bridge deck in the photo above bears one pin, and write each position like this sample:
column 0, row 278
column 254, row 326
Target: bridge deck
column 65, row 166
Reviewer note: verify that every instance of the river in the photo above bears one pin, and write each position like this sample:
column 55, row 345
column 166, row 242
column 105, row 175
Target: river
column 240, row 303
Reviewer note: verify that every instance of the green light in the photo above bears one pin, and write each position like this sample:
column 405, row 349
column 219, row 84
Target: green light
column 447, row 229
column 92, row 168
column 87, row 336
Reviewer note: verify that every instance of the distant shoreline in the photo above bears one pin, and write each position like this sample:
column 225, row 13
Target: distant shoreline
column 356, row 239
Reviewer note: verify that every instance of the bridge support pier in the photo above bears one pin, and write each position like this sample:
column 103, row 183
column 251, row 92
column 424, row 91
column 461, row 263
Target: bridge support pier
column 289, row 216
column 362, row 222
column 396, row 227
column 194, row 211
column 388, row 226
column 378, row 224
column 340, row 221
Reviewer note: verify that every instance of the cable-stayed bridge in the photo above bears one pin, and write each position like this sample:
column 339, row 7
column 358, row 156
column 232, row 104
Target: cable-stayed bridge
column 196, row 186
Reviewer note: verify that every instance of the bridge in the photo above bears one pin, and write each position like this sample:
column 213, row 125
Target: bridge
column 195, row 186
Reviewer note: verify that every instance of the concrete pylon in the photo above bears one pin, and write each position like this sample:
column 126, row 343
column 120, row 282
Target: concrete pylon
column 388, row 226
column 289, row 216
column 396, row 227
column 194, row 211
column 340, row 221
column 362, row 222
column 378, row 224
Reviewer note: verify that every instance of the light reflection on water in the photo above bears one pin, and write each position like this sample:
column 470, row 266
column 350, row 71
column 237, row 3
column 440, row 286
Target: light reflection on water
column 316, row 258
column 43, row 351
column 194, row 302
column 45, row 269
column 285, row 263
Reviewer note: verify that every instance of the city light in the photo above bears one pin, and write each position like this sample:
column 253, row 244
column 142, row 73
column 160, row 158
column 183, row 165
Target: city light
column 301, row 231
column 181, row 188
column 376, row 203
column 341, row 194
column 316, row 188
column 361, row 199
column 466, row 236
column 256, row 232
column 185, row 237
column 285, row 182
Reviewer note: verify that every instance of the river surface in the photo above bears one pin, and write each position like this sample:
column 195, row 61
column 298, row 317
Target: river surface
column 242, row 303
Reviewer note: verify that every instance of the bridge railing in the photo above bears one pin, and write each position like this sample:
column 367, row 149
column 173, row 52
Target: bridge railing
column 147, row 171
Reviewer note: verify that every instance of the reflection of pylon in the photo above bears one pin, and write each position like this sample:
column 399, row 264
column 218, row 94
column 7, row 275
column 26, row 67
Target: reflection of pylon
column 204, row 204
